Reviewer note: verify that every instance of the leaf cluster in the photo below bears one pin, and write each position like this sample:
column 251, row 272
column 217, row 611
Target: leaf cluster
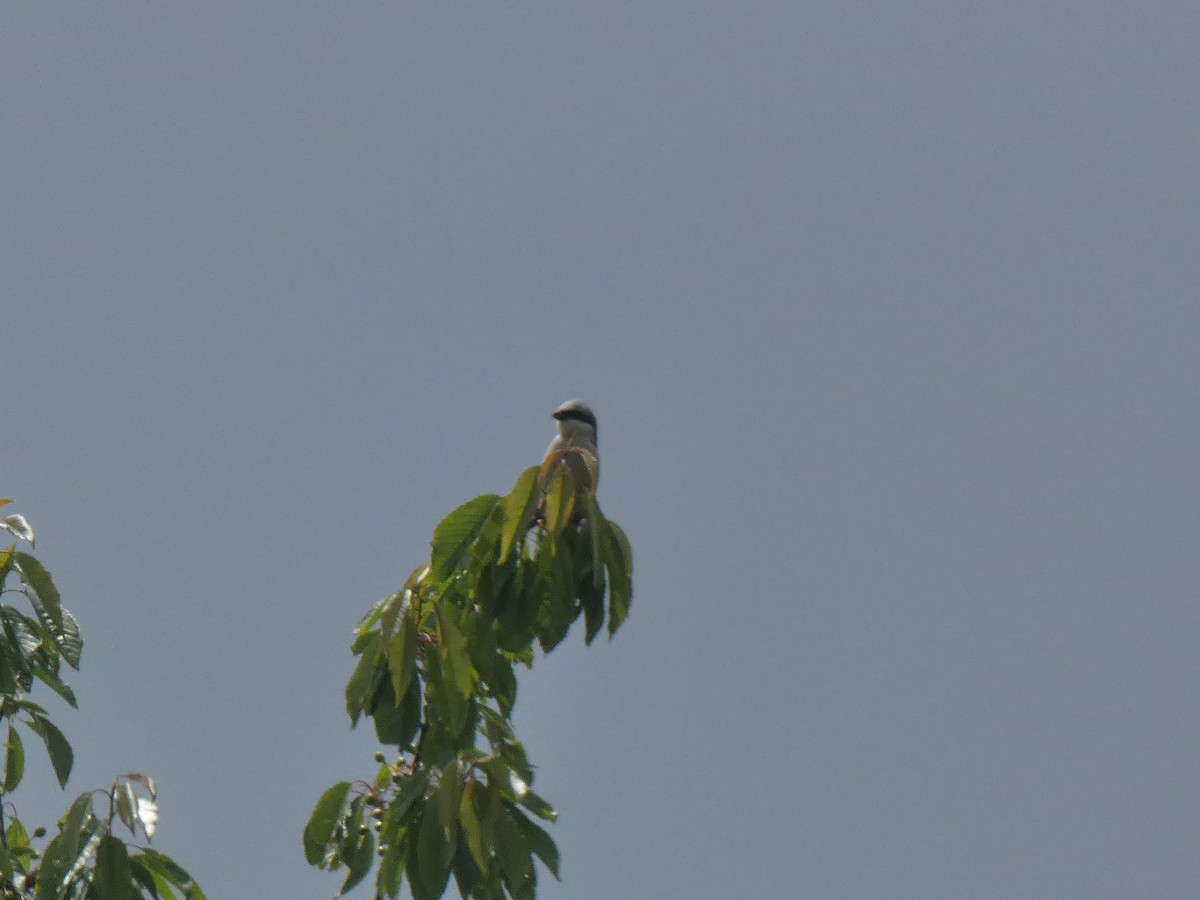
column 436, row 675
column 84, row 859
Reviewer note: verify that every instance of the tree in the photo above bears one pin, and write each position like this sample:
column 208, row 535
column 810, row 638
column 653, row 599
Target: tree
column 85, row 859
column 435, row 673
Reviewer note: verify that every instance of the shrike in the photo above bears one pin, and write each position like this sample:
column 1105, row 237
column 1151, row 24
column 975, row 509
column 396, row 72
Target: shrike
column 574, row 446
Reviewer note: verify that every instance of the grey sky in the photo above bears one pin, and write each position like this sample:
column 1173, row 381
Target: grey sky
column 888, row 312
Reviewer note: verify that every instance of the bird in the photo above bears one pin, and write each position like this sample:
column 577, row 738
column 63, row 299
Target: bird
column 574, row 447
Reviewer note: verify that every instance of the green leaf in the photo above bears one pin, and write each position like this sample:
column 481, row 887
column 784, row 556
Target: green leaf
column 397, row 725
column 472, row 829
column 516, row 617
column 68, row 853
column 402, row 654
column 595, row 522
column 538, row 806
column 449, row 793
column 359, row 854
column 55, row 684
column 70, row 644
column 364, row 680
column 62, row 758
column 318, row 833
column 10, row 664
column 456, row 661
column 14, row 760
column 171, row 871
column 367, row 622
column 28, row 636
column 20, row 648
column 472, row 815
column 512, row 849
column 157, row 886
column 592, row 601
column 410, row 790
column 412, row 862
column 539, row 841
column 113, row 878
column 556, row 595
column 618, row 559
column 560, row 499
column 455, row 535
column 17, row 839
column 391, row 611
column 38, row 580
column 390, row 875
column 436, row 851
column 485, row 550
column 467, row 875
column 445, row 706
column 503, row 685
column 519, row 508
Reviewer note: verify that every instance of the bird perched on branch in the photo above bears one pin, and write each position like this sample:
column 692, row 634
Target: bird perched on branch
column 575, row 448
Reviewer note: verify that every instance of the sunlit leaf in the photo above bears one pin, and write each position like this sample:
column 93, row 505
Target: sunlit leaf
column 69, row 851
column 19, row 526
column 455, row 535
column 147, row 813
column 391, row 611
column 25, row 637
column 17, row 840
column 560, row 499
column 125, row 801
column 39, row 581
column 145, row 781
column 519, row 507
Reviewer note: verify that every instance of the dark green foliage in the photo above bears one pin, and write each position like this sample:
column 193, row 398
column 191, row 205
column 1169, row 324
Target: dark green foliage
column 436, row 674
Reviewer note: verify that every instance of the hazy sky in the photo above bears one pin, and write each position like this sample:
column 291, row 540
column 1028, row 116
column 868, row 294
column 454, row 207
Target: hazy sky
column 889, row 314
